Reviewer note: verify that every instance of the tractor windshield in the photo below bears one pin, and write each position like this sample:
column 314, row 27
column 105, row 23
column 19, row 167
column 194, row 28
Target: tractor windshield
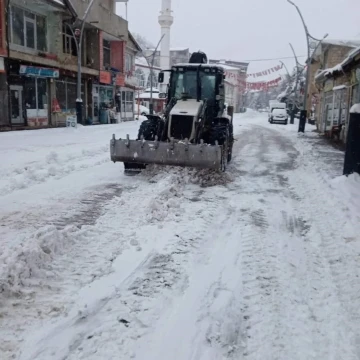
column 184, row 83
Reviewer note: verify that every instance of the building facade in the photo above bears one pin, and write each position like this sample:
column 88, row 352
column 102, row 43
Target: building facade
column 329, row 98
column 142, row 74
column 338, row 89
column 38, row 85
column 328, row 55
column 235, row 92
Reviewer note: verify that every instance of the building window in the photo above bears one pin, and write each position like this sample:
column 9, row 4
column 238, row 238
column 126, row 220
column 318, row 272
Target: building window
column 127, row 102
column 107, row 53
column 129, row 63
column 28, row 29
column 154, row 80
column 140, row 77
column 69, row 45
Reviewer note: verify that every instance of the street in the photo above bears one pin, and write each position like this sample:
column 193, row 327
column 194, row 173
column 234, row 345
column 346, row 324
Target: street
column 260, row 262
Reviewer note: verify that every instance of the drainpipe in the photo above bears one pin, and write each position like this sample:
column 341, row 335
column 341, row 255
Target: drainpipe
column 7, row 60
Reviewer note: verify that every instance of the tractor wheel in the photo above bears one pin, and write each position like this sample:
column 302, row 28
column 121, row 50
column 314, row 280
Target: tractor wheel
column 149, row 129
column 220, row 133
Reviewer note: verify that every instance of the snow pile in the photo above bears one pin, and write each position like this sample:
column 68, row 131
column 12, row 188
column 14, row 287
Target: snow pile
column 32, row 258
column 348, row 188
column 33, row 157
column 355, row 109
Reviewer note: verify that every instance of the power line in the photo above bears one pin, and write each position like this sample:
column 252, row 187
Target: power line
column 280, row 58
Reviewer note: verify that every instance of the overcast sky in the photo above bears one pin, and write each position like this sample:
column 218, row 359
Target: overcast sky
column 246, row 29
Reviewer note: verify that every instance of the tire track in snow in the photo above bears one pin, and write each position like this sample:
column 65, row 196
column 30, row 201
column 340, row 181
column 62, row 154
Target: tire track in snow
column 163, row 272
column 279, row 268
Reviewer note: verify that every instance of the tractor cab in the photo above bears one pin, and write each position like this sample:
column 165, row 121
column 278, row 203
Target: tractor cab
column 197, row 82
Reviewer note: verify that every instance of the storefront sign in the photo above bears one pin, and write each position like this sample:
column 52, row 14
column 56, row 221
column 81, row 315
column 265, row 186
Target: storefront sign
column 71, row 121
column 120, row 80
column 105, row 77
column 38, row 71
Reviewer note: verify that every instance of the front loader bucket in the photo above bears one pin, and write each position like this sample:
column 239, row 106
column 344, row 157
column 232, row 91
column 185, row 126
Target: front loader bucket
column 184, row 154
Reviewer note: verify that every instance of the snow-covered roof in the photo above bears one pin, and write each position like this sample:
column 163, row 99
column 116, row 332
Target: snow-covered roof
column 203, row 65
column 146, row 95
column 172, row 49
column 354, row 42
column 179, row 49
column 339, row 67
column 155, row 90
column 59, row 2
column 227, row 67
column 355, row 109
column 141, row 61
column 340, row 87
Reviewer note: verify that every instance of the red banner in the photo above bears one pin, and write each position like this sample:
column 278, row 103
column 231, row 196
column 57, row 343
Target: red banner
column 266, row 72
column 262, row 85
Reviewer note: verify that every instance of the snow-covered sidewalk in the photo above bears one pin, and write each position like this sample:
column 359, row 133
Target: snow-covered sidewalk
column 259, row 263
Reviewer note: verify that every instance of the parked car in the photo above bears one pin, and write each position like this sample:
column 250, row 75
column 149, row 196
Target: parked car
column 279, row 116
column 143, row 110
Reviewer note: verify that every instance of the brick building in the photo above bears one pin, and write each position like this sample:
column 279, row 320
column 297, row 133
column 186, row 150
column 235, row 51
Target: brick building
column 38, row 84
column 330, row 53
column 336, row 83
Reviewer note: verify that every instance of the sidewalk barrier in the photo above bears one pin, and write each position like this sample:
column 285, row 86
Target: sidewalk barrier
column 352, row 154
column 302, row 121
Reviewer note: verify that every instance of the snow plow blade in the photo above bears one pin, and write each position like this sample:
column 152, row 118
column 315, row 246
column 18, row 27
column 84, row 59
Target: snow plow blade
column 183, row 154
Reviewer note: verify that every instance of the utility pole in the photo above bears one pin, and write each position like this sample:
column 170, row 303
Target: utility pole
column 292, row 117
column 303, row 115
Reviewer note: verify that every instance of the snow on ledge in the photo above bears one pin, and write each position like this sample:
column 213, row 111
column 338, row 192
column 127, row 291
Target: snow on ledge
column 340, row 87
column 355, row 109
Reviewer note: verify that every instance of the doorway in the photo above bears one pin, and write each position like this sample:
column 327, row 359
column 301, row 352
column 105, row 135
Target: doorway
column 16, row 98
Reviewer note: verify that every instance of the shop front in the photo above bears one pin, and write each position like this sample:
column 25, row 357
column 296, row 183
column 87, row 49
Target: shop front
column 65, row 97
column 127, row 104
column 103, row 98
column 30, row 94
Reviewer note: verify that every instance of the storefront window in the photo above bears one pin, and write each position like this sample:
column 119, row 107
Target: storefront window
column 35, row 94
column 66, row 94
column 30, row 93
column 106, row 97
column 127, row 102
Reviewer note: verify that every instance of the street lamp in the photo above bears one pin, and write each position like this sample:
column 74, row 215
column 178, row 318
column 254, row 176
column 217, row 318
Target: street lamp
column 151, row 65
column 78, row 34
column 303, row 116
column 296, row 85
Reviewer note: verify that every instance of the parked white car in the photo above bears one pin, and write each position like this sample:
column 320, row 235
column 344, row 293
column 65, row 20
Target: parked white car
column 143, row 110
column 279, row 116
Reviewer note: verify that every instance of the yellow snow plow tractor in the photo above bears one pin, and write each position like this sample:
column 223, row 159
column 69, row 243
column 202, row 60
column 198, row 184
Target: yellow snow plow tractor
column 195, row 130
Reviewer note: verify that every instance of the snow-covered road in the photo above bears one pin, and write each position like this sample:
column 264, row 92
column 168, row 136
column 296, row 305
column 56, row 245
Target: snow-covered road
column 260, row 263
